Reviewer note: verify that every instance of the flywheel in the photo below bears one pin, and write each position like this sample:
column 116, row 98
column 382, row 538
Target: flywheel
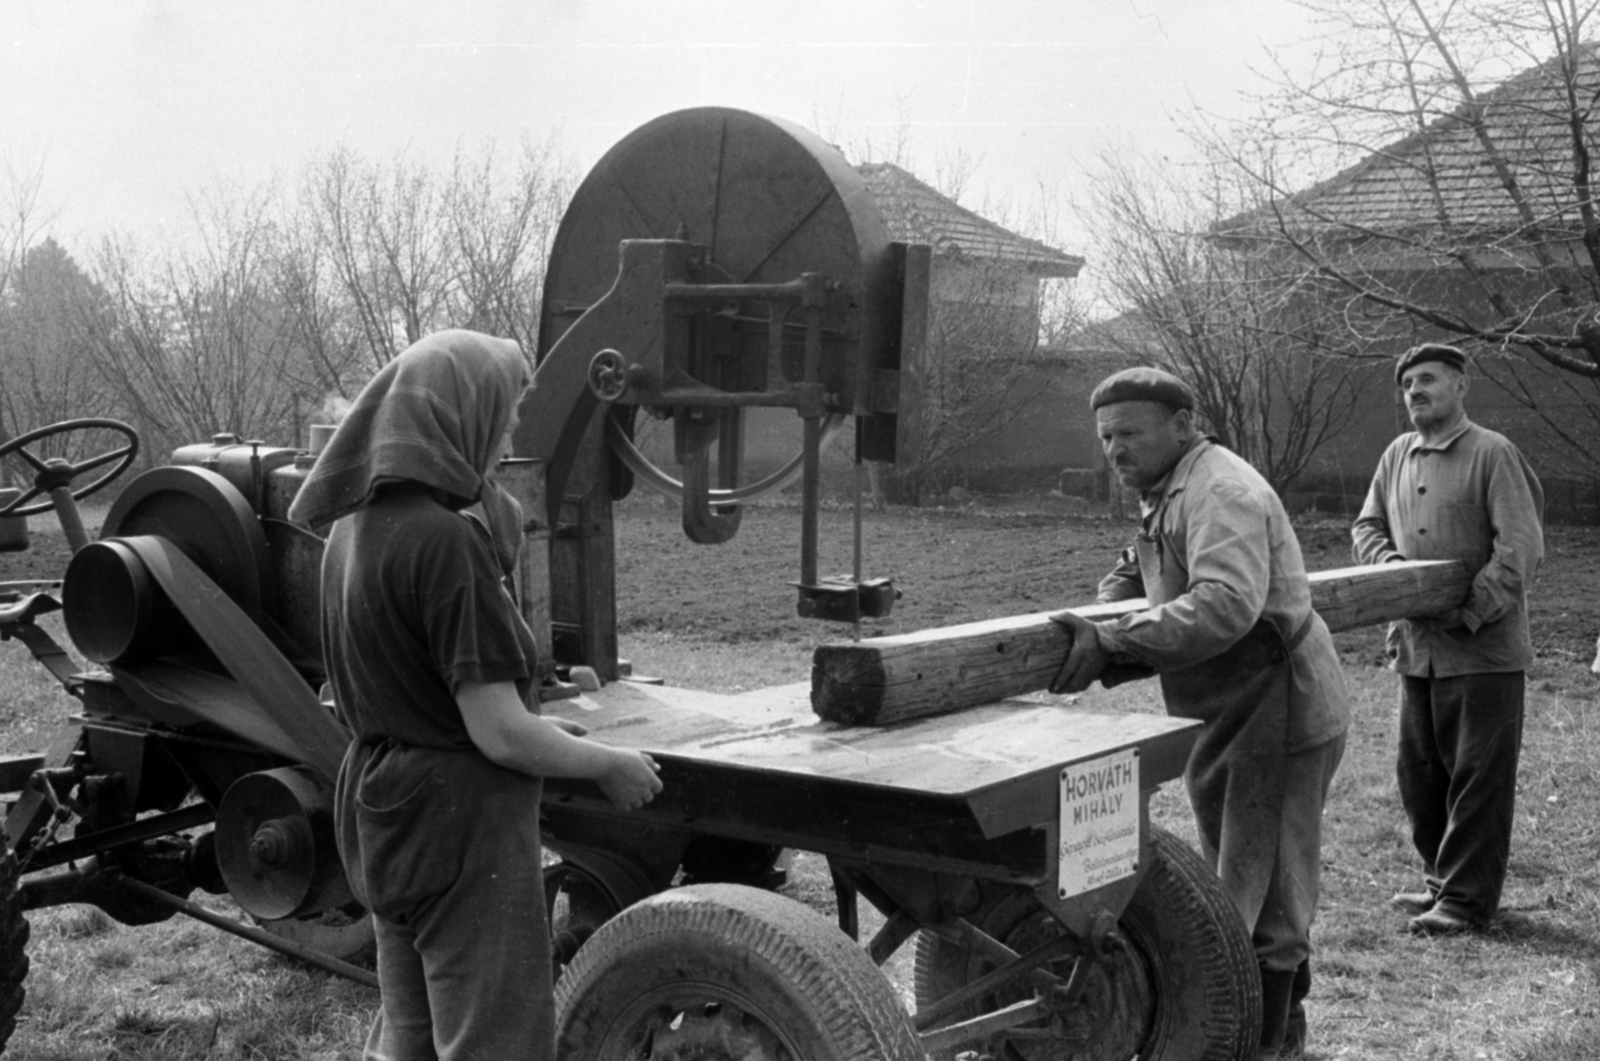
column 767, row 198
column 770, row 202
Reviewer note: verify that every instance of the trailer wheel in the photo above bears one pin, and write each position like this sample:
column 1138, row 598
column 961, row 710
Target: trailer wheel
column 1185, row 989
column 724, row 972
column 577, row 902
column 13, row 944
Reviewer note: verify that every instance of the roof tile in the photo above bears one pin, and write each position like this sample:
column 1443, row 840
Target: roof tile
column 916, row 213
column 1389, row 190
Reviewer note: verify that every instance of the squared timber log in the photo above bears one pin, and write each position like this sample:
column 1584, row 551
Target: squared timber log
column 890, row 679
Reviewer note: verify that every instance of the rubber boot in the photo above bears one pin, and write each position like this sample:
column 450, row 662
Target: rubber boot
column 1277, row 985
column 1294, row 1039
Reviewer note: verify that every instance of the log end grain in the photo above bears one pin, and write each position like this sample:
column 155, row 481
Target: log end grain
column 846, row 685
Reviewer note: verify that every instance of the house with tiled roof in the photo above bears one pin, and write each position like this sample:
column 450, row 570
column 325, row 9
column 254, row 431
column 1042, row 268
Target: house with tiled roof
column 976, row 262
column 984, row 324
column 985, row 297
column 917, row 213
column 1480, row 217
column 1439, row 184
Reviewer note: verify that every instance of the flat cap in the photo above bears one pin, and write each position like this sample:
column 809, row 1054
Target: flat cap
column 1143, row 385
column 1429, row 352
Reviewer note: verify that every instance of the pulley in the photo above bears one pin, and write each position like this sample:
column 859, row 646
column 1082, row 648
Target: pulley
column 115, row 612
column 275, row 845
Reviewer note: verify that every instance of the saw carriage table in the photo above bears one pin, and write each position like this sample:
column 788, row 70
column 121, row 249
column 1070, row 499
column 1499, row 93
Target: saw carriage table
column 1013, row 840
column 713, row 264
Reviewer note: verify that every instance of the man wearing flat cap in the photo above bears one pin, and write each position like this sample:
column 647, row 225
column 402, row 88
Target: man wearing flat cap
column 1231, row 633
column 1451, row 490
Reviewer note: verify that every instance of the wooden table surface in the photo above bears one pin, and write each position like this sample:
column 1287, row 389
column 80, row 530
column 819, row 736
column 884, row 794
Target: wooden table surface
column 1002, row 761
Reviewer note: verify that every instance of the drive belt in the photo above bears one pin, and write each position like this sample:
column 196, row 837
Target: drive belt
column 268, row 702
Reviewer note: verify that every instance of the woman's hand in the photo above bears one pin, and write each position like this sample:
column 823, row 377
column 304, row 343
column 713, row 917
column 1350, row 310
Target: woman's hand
column 631, row 781
column 508, row 735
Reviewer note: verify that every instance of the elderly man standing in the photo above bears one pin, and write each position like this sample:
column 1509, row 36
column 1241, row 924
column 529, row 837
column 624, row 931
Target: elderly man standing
column 1231, row 632
column 1451, row 490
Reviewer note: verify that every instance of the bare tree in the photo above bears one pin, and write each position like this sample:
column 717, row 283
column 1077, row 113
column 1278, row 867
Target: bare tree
column 1253, row 333
column 21, row 224
column 46, row 375
column 18, row 232
column 994, row 311
column 501, row 231
column 383, row 230
column 199, row 343
column 1465, row 206
column 330, row 363
column 416, row 249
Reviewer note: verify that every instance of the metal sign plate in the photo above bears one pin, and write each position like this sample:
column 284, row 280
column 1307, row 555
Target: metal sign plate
column 1099, row 822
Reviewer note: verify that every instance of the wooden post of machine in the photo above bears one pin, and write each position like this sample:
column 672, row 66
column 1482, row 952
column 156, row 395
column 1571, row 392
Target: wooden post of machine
column 583, row 561
column 523, row 477
column 914, row 262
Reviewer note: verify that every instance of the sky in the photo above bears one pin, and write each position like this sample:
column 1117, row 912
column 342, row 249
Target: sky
column 125, row 107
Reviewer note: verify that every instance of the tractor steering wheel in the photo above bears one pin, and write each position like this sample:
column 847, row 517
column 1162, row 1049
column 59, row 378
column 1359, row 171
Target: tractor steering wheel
column 52, row 474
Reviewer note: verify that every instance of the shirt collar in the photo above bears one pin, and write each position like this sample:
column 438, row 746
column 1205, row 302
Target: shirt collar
column 1418, row 446
column 1173, row 481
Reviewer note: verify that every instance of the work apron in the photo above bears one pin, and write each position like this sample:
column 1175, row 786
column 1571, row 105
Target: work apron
column 1242, row 784
column 1240, row 773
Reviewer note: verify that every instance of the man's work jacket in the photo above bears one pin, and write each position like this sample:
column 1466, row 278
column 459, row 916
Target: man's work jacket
column 1470, row 496
column 1230, row 627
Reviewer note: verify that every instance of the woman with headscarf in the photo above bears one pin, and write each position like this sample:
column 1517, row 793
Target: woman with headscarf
column 432, row 669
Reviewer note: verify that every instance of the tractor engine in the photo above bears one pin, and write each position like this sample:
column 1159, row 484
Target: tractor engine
column 143, row 602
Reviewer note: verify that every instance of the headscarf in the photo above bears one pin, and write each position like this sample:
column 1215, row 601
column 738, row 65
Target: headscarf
column 434, row 415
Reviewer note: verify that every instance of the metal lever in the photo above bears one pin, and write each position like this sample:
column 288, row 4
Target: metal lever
column 703, row 522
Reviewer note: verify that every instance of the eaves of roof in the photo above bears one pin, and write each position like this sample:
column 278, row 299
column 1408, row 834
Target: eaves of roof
column 1390, row 190
column 916, row 213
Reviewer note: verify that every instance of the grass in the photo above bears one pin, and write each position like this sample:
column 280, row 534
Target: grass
column 178, row 990
column 1527, row 990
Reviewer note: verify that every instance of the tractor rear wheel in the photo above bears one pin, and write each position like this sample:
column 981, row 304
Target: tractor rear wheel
column 13, row 945
column 724, row 972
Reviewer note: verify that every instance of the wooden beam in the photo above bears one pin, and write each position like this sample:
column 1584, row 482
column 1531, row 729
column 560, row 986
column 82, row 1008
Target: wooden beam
column 890, row 679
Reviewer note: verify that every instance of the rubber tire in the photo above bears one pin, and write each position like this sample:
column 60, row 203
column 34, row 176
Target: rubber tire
column 715, row 956
column 13, row 945
column 1188, row 940
column 589, row 903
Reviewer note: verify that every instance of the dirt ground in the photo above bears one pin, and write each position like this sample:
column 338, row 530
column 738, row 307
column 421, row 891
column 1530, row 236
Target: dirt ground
column 1525, row 991
column 987, row 558
column 1004, row 556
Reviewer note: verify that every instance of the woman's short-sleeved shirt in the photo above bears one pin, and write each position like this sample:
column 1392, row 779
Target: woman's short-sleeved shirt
column 413, row 606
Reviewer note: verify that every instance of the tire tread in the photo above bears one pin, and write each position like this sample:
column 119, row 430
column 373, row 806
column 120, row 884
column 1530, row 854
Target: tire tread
column 854, row 1003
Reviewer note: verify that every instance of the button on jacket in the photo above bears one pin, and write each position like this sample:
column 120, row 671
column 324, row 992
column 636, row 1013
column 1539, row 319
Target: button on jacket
column 1471, row 497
